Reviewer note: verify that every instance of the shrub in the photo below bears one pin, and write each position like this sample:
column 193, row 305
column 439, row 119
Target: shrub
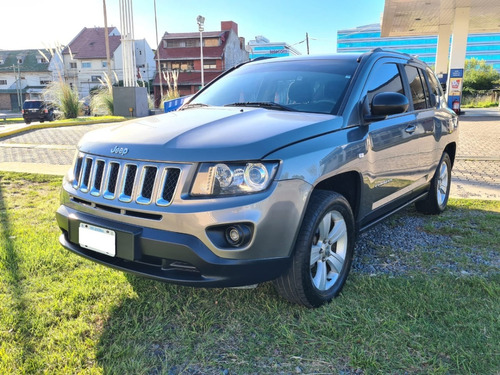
column 64, row 97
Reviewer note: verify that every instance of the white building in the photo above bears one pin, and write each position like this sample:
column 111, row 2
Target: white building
column 24, row 74
column 85, row 62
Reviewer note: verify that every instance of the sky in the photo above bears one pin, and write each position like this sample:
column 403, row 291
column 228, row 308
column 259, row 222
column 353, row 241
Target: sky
column 34, row 24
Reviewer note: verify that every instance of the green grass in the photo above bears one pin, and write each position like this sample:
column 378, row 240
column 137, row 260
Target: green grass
column 62, row 314
column 88, row 119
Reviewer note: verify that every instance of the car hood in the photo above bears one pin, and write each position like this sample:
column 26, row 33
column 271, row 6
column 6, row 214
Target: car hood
column 207, row 134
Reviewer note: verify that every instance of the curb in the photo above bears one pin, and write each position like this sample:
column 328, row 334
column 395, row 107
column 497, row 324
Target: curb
column 56, row 124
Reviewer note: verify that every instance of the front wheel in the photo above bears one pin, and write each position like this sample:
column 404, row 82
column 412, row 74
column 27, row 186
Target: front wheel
column 323, row 252
column 439, row 191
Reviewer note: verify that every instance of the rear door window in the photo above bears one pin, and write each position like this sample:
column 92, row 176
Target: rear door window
column 418, row 87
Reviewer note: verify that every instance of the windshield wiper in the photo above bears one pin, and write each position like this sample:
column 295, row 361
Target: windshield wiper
column 269, row 105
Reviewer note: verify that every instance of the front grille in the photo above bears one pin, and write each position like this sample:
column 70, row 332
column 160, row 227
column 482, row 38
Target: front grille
column 143, row 183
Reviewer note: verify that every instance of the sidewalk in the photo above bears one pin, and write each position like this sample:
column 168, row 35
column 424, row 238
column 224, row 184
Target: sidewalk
column 476, row 173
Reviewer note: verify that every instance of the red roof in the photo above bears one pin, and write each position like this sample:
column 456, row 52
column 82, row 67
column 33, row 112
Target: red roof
column 91, row 44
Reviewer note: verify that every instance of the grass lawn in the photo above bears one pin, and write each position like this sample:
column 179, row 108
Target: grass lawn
column 62, row 314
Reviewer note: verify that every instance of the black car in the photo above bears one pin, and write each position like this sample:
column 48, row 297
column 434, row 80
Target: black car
column 37, row 110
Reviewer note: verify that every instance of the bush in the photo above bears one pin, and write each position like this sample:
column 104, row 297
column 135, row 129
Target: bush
column 64, row 97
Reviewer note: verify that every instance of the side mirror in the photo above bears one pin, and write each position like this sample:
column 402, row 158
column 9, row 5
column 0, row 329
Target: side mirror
column 389, row 103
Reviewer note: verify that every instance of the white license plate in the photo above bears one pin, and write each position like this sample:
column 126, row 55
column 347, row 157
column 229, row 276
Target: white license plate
column 97, row 239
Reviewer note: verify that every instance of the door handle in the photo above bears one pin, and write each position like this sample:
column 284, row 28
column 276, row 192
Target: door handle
column 411, row 129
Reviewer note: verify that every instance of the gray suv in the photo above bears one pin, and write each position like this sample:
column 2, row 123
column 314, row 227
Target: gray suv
column 268, row 173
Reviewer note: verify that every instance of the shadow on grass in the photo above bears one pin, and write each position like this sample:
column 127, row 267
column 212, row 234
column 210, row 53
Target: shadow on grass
column 10, row 260
column 170, row 329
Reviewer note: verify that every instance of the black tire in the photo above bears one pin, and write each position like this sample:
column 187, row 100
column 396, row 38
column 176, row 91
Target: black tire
column 51, row 117
column 316, row 277
column 439, row 191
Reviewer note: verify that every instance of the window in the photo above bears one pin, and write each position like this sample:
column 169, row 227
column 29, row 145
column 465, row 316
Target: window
column 20, row 61
column 209, row 64
column 435, row 88
column 42, row 60
column 384, row 78
column 3, row 81
column 86, row 65
column 104, row 64
column 45, row 81
column 417, row 83
column 96, row 78
column 2, row 61
column 182, row 43
column 72, row 65
column 180, row 65
column 212, row 42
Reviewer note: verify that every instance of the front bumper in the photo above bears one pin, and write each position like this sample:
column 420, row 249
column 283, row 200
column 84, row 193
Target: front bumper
column 183, row 253
column 167, row 256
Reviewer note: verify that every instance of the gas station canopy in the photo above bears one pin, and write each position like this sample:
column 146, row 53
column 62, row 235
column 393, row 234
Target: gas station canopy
column 450, row 20
column 423, row 17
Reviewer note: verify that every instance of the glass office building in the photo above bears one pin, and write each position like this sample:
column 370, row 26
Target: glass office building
column 262, row 47
column 364, row 38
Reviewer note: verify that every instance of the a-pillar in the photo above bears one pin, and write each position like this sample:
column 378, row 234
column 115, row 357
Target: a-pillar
column 457, row 57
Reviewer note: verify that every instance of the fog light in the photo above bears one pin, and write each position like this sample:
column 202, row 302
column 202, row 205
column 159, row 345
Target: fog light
column 237, row 235
column 234, row 236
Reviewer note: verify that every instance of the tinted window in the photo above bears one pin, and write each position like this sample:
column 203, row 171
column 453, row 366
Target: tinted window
column 32, row 104
column 434, row 85
column 418, row 92
column 306, row 86
column 384, row 78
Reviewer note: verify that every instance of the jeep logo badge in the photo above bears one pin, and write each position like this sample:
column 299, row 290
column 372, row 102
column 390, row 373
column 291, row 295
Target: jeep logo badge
column 119, row 150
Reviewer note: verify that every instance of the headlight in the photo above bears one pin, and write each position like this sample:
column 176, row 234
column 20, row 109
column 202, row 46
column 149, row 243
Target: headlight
column 232, row 179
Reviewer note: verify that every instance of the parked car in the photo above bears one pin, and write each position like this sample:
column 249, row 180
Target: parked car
column 37, row 110
column 268, row 173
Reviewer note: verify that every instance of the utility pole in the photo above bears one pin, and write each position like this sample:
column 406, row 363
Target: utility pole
column 106, row 39
column 307, row 42
column 158, row 56
column 17, row 76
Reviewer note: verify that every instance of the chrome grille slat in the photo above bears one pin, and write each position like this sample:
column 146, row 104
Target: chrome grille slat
column 127, row 182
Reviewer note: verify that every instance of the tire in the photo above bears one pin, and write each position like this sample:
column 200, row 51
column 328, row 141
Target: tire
column 27, row 122
column 439, row 191
column 320, row 268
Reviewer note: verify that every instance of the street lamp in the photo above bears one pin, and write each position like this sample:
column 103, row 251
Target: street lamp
column 201, row 27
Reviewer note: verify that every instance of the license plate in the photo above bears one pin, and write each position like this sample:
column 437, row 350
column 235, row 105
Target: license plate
column 97, row 239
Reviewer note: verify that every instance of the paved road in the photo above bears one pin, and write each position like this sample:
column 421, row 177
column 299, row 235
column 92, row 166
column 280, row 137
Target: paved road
column 476, row 173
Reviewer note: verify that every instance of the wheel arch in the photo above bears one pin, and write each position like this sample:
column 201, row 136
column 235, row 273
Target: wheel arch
column 451, row 150
column 348, row 184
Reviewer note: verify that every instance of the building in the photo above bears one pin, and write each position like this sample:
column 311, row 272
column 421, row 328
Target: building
column 262, row 47
column 85, row 62
column 484, row 46
column 23, row 75
column 181, row 52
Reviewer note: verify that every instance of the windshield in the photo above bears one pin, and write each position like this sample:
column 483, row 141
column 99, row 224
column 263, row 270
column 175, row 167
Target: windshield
column 32, row 104
column 316, row 86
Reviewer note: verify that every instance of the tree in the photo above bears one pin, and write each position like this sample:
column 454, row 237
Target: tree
column 479, row 76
